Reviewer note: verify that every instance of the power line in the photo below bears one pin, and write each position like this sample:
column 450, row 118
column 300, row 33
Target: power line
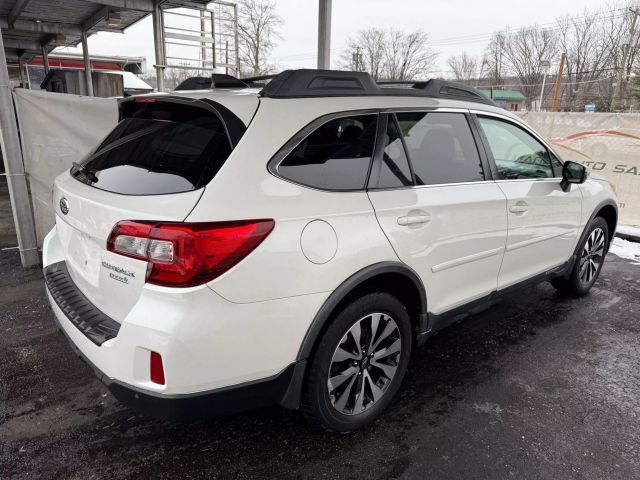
column 540, row 84
column 480, row 37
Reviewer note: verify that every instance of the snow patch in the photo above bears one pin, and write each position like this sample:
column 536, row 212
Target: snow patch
column 628, row 230
column 626, row 249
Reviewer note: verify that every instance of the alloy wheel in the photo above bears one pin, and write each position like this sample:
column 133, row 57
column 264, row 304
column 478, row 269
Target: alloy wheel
column 364, row 363
column 592, row 256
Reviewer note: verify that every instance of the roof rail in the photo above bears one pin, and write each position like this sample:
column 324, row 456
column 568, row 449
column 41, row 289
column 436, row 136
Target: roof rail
column 320, row 83
column 438, row 88
column 335, row 83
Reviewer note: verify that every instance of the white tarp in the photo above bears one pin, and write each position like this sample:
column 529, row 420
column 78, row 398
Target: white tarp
column 608, row 143
column 57, row 129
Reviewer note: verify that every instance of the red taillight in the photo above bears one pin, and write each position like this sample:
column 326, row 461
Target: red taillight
column 145, row 100
column 156, row 370
column 187, row 254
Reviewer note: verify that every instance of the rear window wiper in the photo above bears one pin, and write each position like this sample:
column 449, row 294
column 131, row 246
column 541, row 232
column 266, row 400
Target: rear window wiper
column 86, row 172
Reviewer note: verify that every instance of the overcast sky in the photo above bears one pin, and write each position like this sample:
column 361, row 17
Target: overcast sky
column 453, row 26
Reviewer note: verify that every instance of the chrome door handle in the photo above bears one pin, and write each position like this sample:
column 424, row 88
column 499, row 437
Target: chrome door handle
column 414, row 220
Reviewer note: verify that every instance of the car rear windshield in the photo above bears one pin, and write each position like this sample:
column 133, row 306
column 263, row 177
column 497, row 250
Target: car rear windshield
column 158, row 148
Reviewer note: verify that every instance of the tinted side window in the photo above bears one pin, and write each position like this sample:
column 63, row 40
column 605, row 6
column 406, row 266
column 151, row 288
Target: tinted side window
column 335, row 156
column 394, row 168
column 517, row 154
column 441, row 147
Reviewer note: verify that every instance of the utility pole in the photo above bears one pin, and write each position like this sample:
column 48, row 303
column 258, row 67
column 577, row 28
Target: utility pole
column 625, row 55
column 357, row 60
column 556, row 89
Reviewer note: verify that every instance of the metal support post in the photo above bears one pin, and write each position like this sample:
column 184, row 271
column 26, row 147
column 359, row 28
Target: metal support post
column 158, row 44
column 324, row 34
column 45, row 59
column 87, row 65
column 16, row 179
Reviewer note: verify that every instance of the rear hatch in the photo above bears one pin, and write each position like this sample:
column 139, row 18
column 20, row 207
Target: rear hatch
column 154, row 165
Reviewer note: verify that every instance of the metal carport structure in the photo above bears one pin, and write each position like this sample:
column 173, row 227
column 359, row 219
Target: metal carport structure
column 35, row 27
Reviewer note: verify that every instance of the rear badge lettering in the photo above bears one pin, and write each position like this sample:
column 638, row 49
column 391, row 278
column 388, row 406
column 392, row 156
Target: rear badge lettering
column 118, row 273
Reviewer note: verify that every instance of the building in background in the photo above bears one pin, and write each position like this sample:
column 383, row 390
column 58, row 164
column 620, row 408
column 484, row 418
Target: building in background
column 111, row 76
column 512, row 100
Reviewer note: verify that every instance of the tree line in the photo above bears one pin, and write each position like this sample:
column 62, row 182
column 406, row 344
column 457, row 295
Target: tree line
column 593, row 44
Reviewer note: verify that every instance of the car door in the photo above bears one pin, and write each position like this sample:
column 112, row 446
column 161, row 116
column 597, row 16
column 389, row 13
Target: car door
column 543, row 219
column 443, row 217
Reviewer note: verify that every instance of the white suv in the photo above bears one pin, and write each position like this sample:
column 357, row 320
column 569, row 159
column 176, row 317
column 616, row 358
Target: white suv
column 238, row 247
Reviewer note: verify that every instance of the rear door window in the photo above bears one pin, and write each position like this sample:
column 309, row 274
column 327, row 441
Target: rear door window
column 441, row 147
column 394, row 167
column 158, row 148
column 335, row 156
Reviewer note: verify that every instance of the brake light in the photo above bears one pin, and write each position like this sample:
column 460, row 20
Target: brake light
column 187, row 254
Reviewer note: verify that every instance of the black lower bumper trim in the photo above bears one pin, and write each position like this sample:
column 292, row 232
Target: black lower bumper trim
column 184, row 408
column 283, row 389
column 93, row 323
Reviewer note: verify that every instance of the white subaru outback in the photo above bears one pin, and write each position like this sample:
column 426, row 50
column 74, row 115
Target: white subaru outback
column 237, row 247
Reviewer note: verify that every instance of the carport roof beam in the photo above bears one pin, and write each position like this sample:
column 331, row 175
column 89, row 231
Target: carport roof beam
column 31, row 26
column 140, row 5
column 16, row 10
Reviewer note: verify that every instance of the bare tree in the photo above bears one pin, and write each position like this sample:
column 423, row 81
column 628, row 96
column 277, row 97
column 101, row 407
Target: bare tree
column 464, row 67
column 583, row 40
column 493, row 61
column 389, row 54
column 369, row 46
column 408, row 55
column 525, row 49
column 258, row 25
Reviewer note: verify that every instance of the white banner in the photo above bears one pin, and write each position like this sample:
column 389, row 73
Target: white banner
column 56, row 130
column 608, row 143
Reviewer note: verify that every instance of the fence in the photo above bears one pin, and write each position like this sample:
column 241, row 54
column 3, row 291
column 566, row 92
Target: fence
column 608, row 143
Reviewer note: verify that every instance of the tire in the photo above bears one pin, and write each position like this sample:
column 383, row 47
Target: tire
column 589, row 261
column 377, row 374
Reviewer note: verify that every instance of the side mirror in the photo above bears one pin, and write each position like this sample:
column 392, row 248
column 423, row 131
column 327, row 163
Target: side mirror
column 572, row 172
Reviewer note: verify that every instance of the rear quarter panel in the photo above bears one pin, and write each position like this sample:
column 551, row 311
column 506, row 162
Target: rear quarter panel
column 244, row 189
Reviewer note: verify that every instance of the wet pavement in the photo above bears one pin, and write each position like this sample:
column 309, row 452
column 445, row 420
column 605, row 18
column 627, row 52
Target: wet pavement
column 541, row 386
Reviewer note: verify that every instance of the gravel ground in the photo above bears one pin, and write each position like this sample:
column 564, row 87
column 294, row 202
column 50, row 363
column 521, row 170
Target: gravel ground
column 541, row 386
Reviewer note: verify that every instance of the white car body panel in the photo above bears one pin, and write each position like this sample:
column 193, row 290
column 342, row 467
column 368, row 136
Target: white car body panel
column 458, row 251
column 544, row 224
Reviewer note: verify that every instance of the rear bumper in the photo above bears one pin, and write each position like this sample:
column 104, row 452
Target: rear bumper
column 216, row 354
column 282, row 389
